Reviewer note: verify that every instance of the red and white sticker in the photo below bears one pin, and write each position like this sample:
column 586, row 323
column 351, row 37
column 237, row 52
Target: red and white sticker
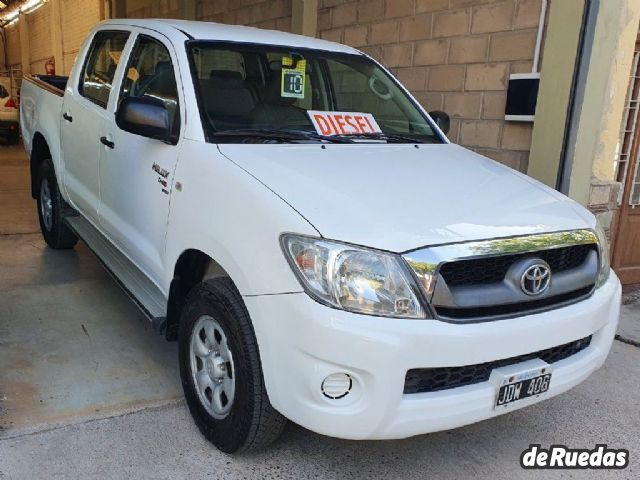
column 343, row 123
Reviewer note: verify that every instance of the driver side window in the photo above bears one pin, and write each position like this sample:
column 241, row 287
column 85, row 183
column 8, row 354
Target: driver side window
column 150, row 74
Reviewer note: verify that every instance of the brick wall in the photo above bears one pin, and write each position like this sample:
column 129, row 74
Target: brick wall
column 270, row 14
column 158, row 9
column 78, row 18
column 13, row 44
column 39, row 38
column 454, row 55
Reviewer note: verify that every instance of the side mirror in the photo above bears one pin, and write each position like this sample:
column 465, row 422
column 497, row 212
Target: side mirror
column 442, row 120
column 144, row 116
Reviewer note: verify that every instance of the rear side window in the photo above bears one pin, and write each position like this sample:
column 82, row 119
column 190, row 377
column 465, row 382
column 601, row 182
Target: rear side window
column 3, row 92
column 150, row 74
column 100, row 66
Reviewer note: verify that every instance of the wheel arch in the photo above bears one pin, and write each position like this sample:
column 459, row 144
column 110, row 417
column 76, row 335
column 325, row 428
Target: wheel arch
column 40, row 152
column 192, row 267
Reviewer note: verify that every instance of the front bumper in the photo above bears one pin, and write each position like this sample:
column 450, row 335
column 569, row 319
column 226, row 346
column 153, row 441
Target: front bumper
column 302, row 342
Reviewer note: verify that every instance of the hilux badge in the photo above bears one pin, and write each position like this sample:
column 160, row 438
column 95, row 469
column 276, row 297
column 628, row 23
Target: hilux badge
column 159, row 170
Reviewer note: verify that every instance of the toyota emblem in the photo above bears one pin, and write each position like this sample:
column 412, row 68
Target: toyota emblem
column 536, row 279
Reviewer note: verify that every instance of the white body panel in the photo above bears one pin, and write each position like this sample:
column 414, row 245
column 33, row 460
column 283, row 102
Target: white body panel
column 398, row 197
column 127, row 178
column 233, row 217
column 377, row 352
column 235, row 201
column 40, row 113
column 82, row 151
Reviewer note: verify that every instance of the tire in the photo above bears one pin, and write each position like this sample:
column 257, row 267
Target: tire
column 50, row 206
column 247, row 421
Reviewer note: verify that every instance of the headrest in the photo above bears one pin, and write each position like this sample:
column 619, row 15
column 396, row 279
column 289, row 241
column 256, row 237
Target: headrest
column 162, row 67
column 273, row 93
column 276, row 66
column 227, row 78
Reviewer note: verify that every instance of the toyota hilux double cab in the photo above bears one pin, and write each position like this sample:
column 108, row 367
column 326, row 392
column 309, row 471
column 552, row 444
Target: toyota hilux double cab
column 288, row 212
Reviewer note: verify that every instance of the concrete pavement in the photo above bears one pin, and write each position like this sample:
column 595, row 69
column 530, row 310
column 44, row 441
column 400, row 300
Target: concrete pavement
column 88, row 391
column 629, row 328
column 72, row 345
column 163, row 443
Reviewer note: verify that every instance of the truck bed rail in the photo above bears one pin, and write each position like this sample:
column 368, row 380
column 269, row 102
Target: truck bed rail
column 52, row 83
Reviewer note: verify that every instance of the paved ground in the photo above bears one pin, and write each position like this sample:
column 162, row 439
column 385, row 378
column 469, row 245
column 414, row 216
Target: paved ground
column 163, row 443
column 629, row 328
column 87, row 391
column 72, row 345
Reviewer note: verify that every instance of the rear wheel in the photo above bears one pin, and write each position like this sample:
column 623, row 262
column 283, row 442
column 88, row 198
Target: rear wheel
column 50, row 205
column 221, row 370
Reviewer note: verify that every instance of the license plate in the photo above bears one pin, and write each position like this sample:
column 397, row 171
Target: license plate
column 518, row 390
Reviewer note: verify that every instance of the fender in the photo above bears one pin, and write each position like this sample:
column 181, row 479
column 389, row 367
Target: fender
column 230, row 216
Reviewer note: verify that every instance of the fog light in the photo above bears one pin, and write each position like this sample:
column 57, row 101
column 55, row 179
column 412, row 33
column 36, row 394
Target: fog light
column 336, row 385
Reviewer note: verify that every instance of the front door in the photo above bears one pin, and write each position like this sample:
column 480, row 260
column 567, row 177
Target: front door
column 136, row 174
column 626, row 252
column 83, row 118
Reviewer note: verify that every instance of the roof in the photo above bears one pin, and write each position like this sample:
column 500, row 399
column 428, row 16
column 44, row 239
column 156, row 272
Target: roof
column 235, row 33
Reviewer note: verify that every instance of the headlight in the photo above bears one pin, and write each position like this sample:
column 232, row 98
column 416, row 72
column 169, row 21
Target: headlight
column 603, row 246
column 353, row 278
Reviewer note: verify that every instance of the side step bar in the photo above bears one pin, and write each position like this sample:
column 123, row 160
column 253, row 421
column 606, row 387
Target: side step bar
column 136, row 284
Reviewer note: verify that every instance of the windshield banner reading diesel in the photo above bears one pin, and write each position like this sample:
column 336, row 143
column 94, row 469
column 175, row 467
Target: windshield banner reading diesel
column 343, row 123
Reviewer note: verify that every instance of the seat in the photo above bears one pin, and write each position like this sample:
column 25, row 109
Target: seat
column 163, row 81
column 227, row 99
column 277, row 111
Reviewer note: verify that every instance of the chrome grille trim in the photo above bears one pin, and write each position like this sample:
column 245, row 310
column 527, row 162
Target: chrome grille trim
column 426, row 262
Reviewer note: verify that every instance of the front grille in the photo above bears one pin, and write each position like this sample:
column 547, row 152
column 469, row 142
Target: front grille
column 421, row 380
column 476, row 271
column 530, row 307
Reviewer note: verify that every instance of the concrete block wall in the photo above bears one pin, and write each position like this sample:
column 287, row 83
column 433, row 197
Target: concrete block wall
column 13, row 45
column 603, row 203
column 270, row 14
column 40, row 47
column 78, row 18
column 157, row 9
column 454, row 55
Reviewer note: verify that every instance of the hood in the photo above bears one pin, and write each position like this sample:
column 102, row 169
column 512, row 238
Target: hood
column 399, row 197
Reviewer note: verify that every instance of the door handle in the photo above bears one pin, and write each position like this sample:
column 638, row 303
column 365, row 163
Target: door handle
column 107, row 143
column 67, row 117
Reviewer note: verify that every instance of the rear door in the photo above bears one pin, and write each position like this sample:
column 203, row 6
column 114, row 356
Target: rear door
column 136, row 174
column 84, row 112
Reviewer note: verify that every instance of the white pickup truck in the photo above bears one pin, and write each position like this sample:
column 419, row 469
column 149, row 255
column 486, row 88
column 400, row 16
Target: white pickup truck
column 289, row 213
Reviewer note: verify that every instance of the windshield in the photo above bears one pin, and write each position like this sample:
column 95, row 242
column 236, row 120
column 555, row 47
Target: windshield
column 251, row 90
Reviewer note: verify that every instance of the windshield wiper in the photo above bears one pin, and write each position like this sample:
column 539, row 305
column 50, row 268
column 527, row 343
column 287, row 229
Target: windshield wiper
column 388, row 137
column 279, row 135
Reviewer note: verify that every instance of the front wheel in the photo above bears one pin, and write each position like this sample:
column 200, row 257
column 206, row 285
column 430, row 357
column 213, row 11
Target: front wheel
column 50, row 203
column 221, row 371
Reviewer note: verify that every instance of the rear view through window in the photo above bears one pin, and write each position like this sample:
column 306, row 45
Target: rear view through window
column 101, row 64
column 255, row 87
column 150, row 74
